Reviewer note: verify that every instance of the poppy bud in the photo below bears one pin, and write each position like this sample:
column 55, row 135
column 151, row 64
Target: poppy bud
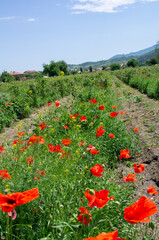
column 91, row 191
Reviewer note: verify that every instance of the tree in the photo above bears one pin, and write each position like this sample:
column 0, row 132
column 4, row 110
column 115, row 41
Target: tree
column 132, row 63
column 6, row 77
column 81, row 70
column 115, row 66
column 55, row 68
column 90, row 68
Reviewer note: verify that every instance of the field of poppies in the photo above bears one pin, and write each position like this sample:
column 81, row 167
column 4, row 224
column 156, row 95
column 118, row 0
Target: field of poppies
column 145, row 79
column 59, row 182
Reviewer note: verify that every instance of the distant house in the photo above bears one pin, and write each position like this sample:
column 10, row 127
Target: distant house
column 99, row 69
column 30, row 72
column 17, row 74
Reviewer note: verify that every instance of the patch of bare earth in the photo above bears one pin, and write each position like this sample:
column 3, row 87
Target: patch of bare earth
column 143, row 113
column 11, row 132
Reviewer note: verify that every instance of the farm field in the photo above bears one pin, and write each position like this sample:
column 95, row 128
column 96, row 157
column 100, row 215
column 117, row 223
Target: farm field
column 75, row 156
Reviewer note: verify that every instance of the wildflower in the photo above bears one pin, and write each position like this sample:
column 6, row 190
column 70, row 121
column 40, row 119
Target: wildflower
column 90, row 147
column 12, row 214
column 48, row 104
column 97, row 170
column 83, row 119
column 130, row 178
column 139, row 168
column 93, row 100
column 136, row 129
column 73, row 116
column 42, row 173
column 57, row 104
column 113, row 114
column 151, row 190
column 29, row 160
column 22, row 149
column 101, row 107
column 98, row 199
column 100, row 131
column 113, row 107
column 106, row 236
column 35, row 139
column 56, row 148
column 66, row 127
column 4, row 175
column 66, row 142
column 82, row 143
column 111, row 135
column 56, row 119
column 140, row 211
column 15, row 142
column 1, row 149
column 124, row 154
column 20, row 134
column 7, row 105
column 122, row 112
column 94, row 151
column 85, row 216
column 42, row 126
column 10, row 201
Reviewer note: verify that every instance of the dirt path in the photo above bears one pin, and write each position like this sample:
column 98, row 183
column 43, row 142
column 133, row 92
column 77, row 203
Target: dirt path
column 143, row 113
column 11, row 132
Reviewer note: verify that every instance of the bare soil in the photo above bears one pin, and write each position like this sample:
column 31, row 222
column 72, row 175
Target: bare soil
column 143, row 113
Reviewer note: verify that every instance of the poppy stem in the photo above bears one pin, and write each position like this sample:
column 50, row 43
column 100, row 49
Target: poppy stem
column 7, row 228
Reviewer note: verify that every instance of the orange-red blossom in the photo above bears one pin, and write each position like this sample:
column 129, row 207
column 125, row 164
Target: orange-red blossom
column 10, row 201
column 106, row 236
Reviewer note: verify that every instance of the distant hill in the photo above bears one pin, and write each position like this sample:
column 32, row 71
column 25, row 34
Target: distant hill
column 141, row 56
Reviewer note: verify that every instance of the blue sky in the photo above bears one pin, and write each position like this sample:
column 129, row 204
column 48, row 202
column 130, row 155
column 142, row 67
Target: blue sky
column 34, row 32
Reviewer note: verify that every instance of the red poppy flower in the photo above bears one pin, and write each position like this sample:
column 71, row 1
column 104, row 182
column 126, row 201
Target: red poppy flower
column 100, row 131
column 111, row 135
column 122, row 112
column 73, row 116
column 94, row 151
column 17, row 142
column 113, row 114
column 29, row 160
column 106, row 236
column 113, row 107
column 130, row 178
column 97, row 170
column 98, row 199
column 20, row 134
column 35, row 139
column 66, row 142
column 57, row 104
column 140, row 211
column 83, row 119
column 10, row 201
column 42, row 126
column 139, row 168
column 124, row 153
column 22, row 149
column 7, row 105
column 48, row 104
column 42, row 173
column 85, row 216
column 101, row 107
column 151, row 190
column 66, row 127
column 1, row 149
column 82, row 143
column 4, row 174
column 93, row 100
column 56, row 148
column 136, row 129
column 56, row 119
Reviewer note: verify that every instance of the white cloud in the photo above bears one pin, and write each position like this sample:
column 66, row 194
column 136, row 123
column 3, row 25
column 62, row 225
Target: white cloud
column 31, row 20
column 103, row 5
column 7, row 18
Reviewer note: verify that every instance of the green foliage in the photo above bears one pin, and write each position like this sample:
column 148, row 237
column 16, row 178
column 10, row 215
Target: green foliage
column 6, row 77
column 132, row 63
column 115, row 66
column 54, row 68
